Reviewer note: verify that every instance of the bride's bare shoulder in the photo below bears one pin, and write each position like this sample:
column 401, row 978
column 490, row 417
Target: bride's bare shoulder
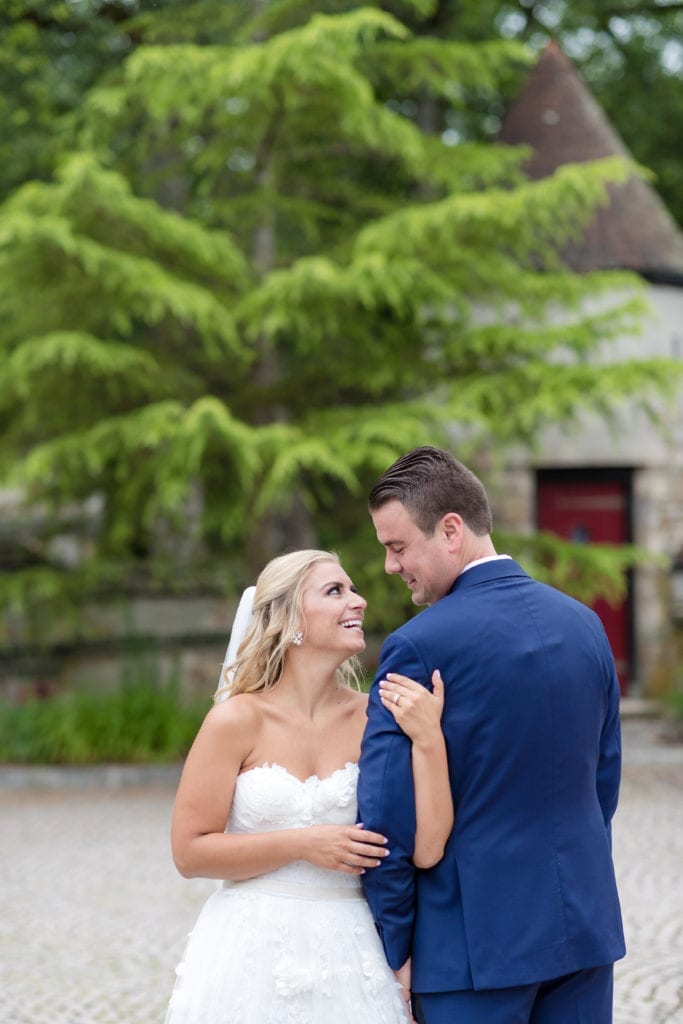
column 241, row 712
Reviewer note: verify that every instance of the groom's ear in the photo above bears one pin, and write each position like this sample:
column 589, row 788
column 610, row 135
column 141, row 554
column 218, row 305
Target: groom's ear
column 452, row 526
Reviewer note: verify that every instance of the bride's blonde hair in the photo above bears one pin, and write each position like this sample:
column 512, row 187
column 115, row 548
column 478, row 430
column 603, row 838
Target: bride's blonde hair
column 275, row 618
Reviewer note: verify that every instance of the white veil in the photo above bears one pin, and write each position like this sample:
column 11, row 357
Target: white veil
column 240, row 626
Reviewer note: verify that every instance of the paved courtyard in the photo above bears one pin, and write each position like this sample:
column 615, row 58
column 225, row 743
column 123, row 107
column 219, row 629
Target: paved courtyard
column 93, row 916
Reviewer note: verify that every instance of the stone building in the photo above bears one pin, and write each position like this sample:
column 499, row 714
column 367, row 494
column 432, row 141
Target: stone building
column 620, row 481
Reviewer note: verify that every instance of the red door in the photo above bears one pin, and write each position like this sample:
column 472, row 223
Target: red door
column 593, row 508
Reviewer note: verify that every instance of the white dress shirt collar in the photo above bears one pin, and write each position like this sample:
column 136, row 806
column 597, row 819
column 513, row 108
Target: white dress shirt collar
column 480, row 561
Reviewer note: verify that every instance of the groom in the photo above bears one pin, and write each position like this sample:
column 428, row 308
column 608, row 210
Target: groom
column 520, row 920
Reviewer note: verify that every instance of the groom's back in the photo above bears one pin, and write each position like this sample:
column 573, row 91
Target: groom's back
column 531, row 723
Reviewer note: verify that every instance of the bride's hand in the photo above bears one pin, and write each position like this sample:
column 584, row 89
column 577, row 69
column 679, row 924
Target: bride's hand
column 403, row 977
column 416, row 710
column 348, row 848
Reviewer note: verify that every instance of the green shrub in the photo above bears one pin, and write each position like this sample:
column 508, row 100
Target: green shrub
column 673, row 711
column 142, row 721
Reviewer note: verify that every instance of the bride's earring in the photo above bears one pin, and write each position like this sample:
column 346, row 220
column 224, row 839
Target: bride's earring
column 298, row 638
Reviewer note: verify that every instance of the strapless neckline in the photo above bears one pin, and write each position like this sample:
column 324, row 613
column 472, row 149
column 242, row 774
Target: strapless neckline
column 275, row 766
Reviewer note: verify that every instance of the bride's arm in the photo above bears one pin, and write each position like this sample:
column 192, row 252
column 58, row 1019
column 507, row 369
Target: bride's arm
column 418, row 712
column 201, row 848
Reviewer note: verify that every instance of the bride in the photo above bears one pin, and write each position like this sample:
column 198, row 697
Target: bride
column 267, row 804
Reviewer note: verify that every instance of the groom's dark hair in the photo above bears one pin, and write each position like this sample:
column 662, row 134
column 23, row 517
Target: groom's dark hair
column 429, row 482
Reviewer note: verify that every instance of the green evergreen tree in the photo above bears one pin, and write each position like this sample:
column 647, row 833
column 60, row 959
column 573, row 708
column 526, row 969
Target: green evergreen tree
column 266, row 273
column 51, row 52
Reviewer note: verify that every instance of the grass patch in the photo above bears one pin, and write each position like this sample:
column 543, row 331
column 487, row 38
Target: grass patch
column 143, row 721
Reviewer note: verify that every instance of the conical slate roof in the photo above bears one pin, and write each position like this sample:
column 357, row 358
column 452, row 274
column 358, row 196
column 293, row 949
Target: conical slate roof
column 560, row 119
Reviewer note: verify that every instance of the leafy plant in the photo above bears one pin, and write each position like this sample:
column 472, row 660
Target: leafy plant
column 139, row 722
column 673, row 714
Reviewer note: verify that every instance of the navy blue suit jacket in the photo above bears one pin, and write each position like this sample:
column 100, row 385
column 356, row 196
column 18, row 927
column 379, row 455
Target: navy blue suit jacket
column 526, row 889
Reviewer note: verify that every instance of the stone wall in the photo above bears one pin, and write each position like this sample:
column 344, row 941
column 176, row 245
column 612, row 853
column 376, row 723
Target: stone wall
column 653, row 452
column 184, row 636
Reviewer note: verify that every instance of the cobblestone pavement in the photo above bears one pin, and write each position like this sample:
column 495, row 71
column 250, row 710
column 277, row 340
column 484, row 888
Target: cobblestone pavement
column 648, row 853
column 93, row 917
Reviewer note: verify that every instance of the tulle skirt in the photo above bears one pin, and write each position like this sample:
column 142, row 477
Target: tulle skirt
column 274, row 953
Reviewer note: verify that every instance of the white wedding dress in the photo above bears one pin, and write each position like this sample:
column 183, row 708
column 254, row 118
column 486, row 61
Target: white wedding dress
column 297, row 945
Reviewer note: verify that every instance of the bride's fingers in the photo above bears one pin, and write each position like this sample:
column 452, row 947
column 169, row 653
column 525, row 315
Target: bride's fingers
column 387, row 695
column 387, row 688
column 401, row 682
column 366, row 852
column 396, row 683
column 360, row 834
column 363, row 859
column 437, row 686
column 365, row 848
column 392, row 694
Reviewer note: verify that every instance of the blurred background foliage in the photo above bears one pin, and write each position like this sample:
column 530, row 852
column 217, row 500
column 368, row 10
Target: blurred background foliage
column 147, row 719
column 629, row 52
column 251, row 251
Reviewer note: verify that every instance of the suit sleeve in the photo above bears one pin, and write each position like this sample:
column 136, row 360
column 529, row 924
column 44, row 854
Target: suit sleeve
column 609, row 764
column 386, row 803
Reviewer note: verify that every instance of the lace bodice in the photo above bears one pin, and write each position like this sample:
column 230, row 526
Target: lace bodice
column 269, row 797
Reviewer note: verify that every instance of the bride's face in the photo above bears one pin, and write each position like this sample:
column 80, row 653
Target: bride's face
column 332, row 612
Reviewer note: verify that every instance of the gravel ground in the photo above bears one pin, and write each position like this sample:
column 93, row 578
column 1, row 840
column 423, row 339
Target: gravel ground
column 94, row 917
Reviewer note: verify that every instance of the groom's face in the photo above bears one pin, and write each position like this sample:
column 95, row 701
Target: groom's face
column 424, row 563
